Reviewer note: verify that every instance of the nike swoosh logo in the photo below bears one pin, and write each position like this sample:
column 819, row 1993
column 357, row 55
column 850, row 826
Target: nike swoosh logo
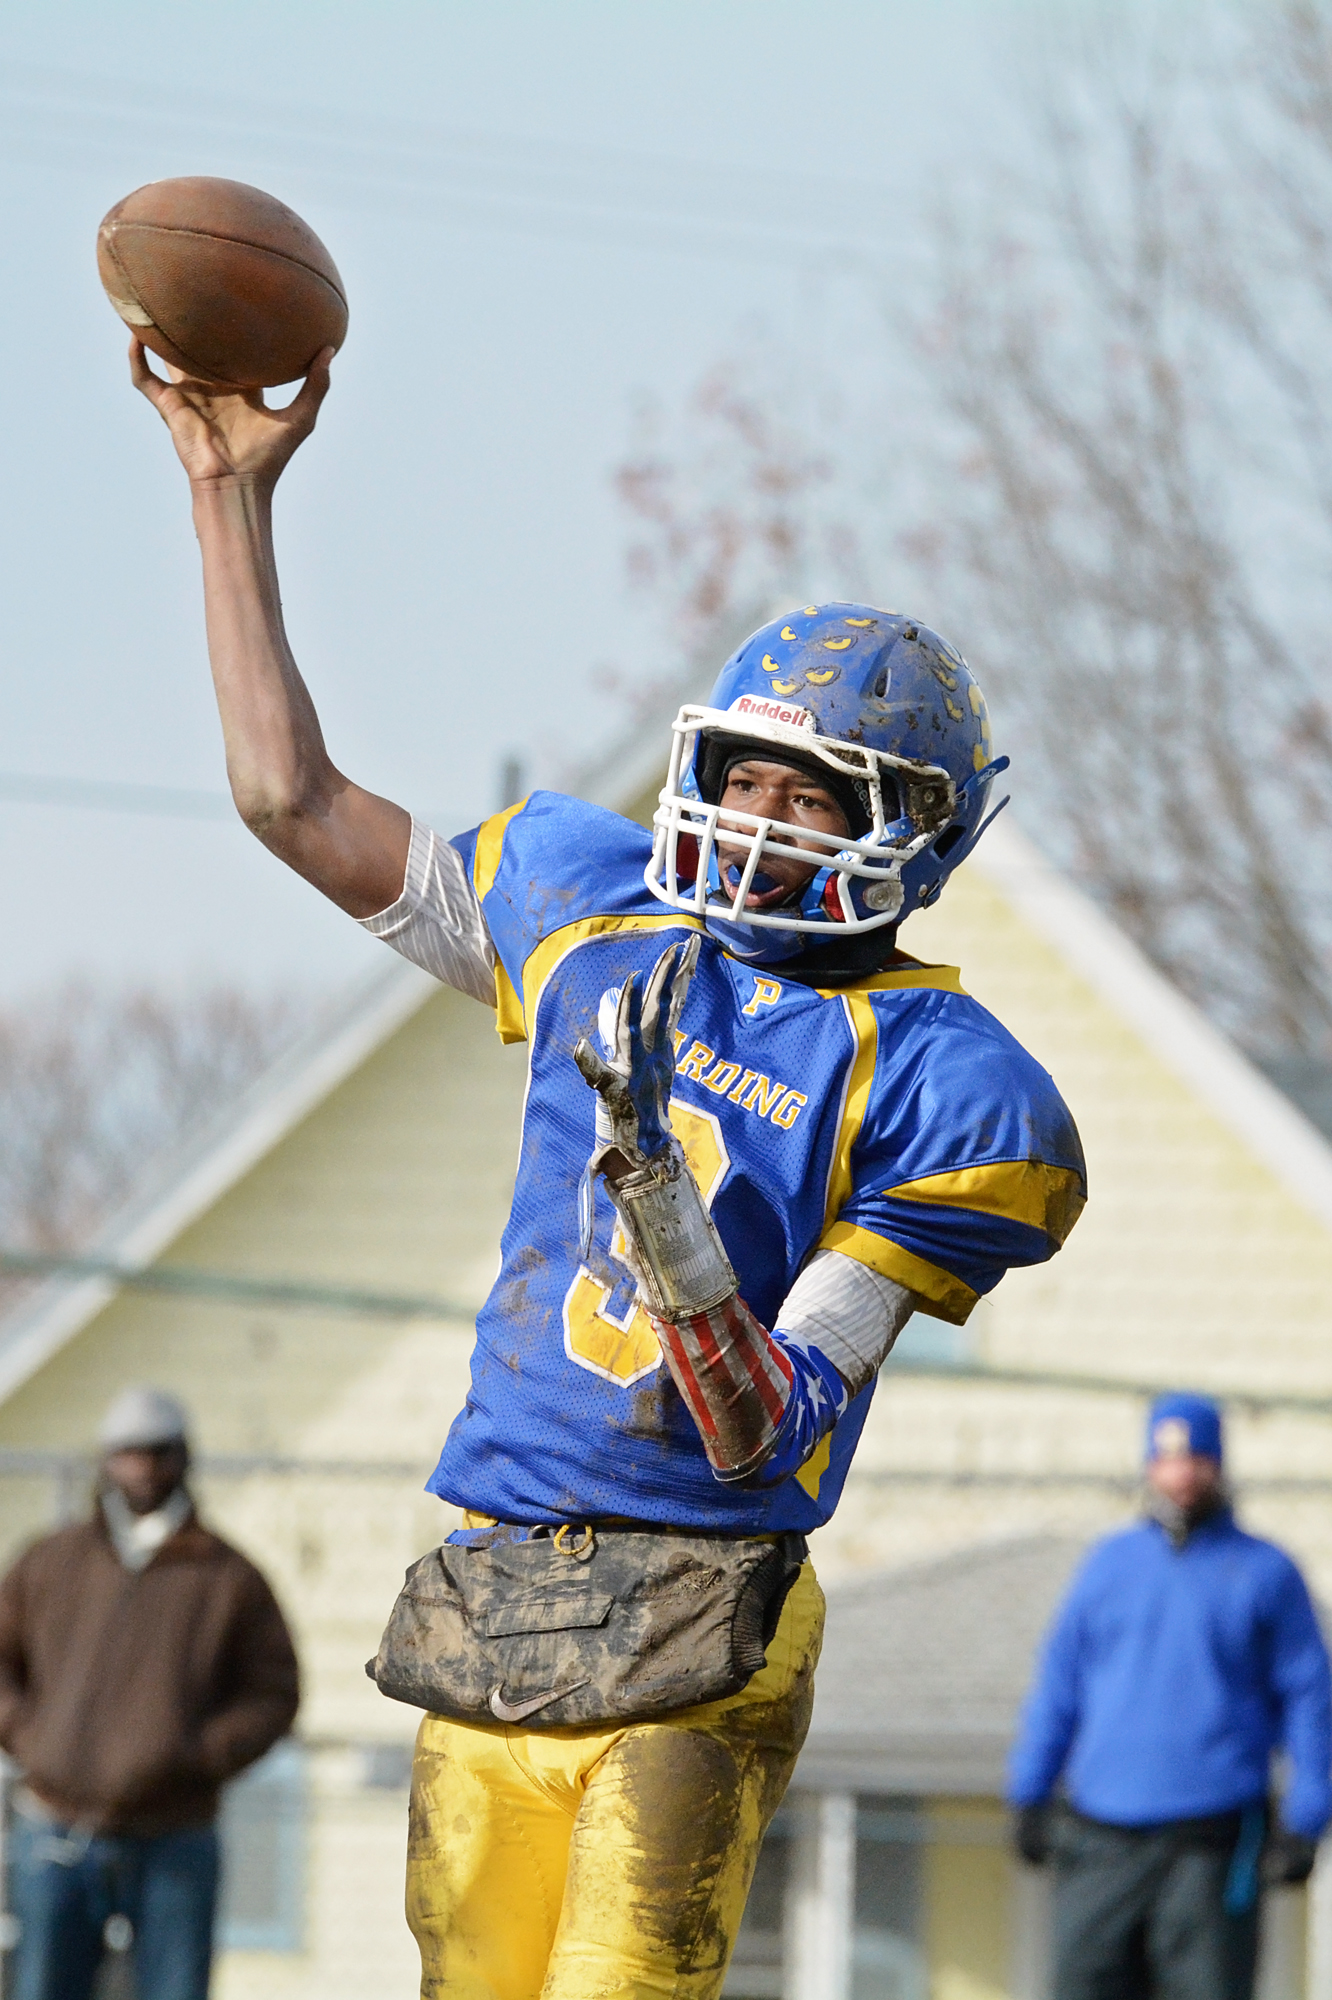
column 505, row 1711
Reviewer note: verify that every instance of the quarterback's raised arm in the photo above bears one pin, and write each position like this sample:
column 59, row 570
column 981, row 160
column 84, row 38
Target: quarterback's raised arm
column 348, row 842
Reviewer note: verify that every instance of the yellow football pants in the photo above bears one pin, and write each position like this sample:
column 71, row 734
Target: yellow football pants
column 603, row 1864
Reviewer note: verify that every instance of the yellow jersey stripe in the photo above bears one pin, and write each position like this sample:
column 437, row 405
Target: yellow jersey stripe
column 810, row 1475
column 509, row 1023
column 942, row 1295
column 543, row 958
column 490, row 848
column 865, row 1034
column 1044, row 1197
column 902, row 978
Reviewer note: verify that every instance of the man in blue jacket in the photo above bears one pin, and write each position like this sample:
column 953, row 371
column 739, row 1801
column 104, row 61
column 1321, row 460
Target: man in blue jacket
column 1185, row 1654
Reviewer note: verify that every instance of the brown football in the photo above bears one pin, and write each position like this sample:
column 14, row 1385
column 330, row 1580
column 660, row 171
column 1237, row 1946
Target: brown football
column 222, row 280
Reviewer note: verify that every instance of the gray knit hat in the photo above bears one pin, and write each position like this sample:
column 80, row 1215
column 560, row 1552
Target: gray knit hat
column 140, row 1418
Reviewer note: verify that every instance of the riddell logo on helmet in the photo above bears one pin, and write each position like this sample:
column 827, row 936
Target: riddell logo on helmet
column 772, row 711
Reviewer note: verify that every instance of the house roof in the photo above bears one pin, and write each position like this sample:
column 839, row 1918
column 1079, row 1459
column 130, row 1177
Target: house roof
column 1177, row 1032
column 191, row 1179
column 215, row 1157
column 924, row 1668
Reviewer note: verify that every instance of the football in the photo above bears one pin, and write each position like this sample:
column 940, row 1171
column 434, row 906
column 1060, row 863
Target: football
column 222, row 280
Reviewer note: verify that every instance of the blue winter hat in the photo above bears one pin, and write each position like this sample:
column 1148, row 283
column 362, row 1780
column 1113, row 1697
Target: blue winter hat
column 1182, row 1423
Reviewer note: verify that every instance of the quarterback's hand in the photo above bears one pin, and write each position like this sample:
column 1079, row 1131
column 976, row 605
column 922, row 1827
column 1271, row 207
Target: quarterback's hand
column 634, row 1084
column 222, row 434
column 1031, row 1834
column 1288, row 1858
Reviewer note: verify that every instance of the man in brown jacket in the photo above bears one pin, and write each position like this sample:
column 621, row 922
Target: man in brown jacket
column 143, row 1662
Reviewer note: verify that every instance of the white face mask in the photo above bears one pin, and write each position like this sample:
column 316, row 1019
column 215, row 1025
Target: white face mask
column 860, row 877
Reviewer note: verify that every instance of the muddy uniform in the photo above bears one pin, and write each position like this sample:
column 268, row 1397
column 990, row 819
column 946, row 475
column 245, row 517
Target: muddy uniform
column 890, row 1130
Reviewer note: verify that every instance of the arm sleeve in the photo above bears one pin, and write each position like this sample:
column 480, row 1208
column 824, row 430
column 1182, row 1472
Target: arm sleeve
column 1050, row 1713
column 262, row 1691
column 850, row 1313
column 836, row 1326
column 1301, row 1682
column 437, row 921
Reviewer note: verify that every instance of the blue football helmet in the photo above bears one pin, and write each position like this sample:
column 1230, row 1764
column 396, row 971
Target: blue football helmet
column 888, row 716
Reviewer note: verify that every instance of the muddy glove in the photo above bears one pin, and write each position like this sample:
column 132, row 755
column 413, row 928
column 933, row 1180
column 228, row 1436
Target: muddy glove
column 634, row 1085
column 735, row 1380
column 676, row 1253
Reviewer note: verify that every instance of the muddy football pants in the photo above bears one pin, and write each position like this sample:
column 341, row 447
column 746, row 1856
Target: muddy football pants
column 603, row 1864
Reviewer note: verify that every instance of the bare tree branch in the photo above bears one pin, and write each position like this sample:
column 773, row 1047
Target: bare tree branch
column 95, row 1089
column 732, row 511
column 1129, row 352
column 1135, row 405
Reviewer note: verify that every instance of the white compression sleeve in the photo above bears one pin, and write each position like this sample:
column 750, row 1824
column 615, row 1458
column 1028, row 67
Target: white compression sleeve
column 850, row 1313
column 437, row 920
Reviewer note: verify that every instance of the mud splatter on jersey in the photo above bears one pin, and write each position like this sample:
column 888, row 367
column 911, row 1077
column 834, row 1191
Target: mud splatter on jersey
column 894, row 1121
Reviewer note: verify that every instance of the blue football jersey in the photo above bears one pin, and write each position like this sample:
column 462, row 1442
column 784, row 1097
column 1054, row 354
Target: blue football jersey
column 894, row 1120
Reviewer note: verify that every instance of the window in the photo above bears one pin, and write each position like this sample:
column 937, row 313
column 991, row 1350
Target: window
column 887, row 1961
column 263, row 1830
column 839, row 1883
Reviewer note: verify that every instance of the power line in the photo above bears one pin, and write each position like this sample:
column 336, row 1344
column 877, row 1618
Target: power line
column 301, row 1294
column 1102, row 1385
column 1290, row 1487
column 164, row 801
column 523, row 155
column 552, row 189
column 294, row 1294
column 35, row 1461
column 113, row 795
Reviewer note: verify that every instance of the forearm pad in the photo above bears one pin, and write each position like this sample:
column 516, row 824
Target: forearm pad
column 679, row 1260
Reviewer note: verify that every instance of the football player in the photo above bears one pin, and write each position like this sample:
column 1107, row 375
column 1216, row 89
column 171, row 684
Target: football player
column 805, row 1136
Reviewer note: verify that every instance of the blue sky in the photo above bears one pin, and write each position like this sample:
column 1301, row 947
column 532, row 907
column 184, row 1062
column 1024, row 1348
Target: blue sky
column 540, row 212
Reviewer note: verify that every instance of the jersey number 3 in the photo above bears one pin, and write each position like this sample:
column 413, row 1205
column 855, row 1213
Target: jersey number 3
column 624, row 1350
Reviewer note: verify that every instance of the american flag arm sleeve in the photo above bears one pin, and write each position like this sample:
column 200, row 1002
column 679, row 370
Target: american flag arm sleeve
column 735, row 1380
column 762, row 1401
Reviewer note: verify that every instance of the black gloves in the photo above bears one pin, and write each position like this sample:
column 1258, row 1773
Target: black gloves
column 1031, row 1834
column 1288, row 1858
